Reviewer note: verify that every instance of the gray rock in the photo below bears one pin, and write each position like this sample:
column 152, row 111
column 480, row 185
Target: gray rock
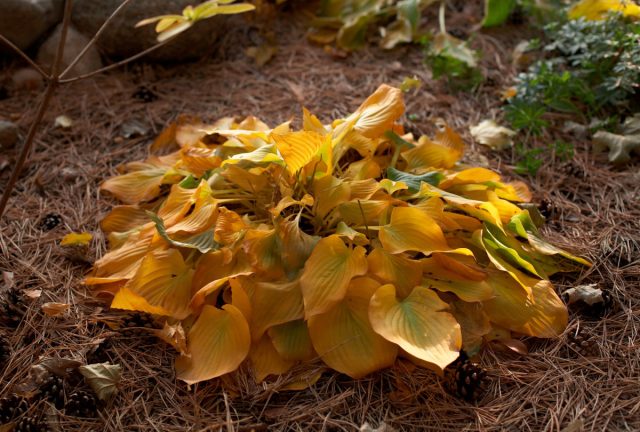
column 24, row 21
column 8, row 134
column 74, row 44
column 121, row 38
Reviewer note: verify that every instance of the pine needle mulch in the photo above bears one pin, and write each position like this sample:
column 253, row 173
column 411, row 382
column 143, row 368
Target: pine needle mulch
column 596, row 214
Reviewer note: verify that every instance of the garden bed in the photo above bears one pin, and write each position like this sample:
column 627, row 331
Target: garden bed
column 596, row 214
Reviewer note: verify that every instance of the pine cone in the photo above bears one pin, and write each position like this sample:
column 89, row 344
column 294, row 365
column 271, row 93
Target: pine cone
column 101, row 353
column 81, row 404
column 465, row 379
column 52, row 389
column 31, row 424
column 11, row 408
column 583, row 344
column 545, row 208
column 12, row 308
column 50, row 221
column 139, row 322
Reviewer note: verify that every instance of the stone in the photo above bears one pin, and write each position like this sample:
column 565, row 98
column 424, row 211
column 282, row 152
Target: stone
column 121, row 39
column 8, row 134
column 23, row 22
column 27, row 79
column 74, row 44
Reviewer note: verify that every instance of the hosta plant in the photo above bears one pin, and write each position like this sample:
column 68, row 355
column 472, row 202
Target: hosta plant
column 353, row 242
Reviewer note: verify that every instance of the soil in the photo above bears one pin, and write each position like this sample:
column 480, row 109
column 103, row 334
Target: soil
column 596, row 214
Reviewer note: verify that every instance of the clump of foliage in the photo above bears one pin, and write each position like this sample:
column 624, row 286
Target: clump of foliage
column 591, row 71
column 354, row 242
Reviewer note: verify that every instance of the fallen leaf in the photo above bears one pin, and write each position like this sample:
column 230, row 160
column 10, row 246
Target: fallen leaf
column 7, row 278
column 54, row 309
column 32, row 293
column 103, row 378
column 76, row 239
column 589, row 294
column 133, row 129
column 382, row 427
column 59, row 366
column 63, row 122
column 489, row 133
column 262, row 54
column 175, row 336
column 410, row 83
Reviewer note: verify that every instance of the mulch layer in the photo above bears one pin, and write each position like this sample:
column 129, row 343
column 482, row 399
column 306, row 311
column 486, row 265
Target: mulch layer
column 596, row 214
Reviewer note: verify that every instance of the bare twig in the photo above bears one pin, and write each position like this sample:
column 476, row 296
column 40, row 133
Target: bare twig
column 94, row 39
column 52, row 83
column 24, row 56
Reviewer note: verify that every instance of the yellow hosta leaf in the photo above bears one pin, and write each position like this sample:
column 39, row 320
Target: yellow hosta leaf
column 266, row 361
column 343, row 335
column 540, row 314
column 298, row 148
column 164, row 280
column 292, row 341
column 404, row 273
column 229, row 227
column 446, row 274
column 393, row 186
column 124, row 218
column 430, row 154
column 327, row 274
column 329, row 192
column 120, row 264
column 418, row 324
column 311, row 123
column 198, row 160
column 76, row 239
column 470, row 175
column 379, row 112
column 474, row 322
column 367, row 212
column 264, row 252
column 411, row 229
column 599, row 9
column 218, row 343
column 296, row 244
column 135, row 187
column 275, row 303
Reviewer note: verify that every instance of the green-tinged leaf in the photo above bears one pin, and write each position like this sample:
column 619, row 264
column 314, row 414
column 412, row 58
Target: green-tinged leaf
column 203, row 242
column 414, row 181
column 103, row 378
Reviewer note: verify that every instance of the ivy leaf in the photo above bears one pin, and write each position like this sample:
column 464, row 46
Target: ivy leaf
column 103, row 378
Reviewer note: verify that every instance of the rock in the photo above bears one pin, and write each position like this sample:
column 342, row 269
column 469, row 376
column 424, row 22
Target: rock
column 121, row 39
column 8, row 134
column 24, row 21
column 27, row 79
column 74, row 44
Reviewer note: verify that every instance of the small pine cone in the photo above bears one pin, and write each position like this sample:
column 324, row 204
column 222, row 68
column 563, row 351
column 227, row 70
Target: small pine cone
column 31, row 424
column 465, row 379
column 52, row 389
column 11, row 408
column 12, row 308
column 545, row 208
column 138, row 321
column 583, row 344
column 50, row 221
column 81, row 404
column 101, row 353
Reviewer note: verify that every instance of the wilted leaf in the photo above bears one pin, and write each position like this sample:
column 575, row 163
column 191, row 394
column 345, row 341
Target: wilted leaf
column 418, row 324
column 64, row 122
column 103, row 378
column 76, row 239
column 589, row 294
column 620, row 146
column 174, row 335
column 53, row 309
column 217, row 343
column 489, row 133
